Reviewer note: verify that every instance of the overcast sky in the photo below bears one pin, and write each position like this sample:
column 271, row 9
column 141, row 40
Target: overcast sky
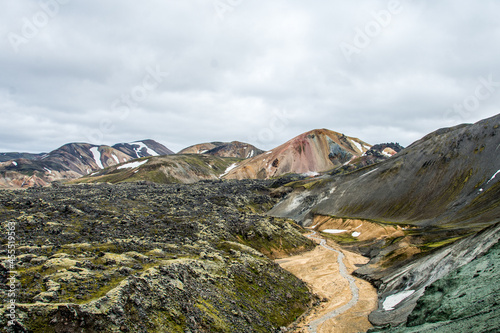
column 192, row 71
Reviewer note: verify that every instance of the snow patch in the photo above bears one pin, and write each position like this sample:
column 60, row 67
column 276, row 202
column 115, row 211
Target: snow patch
column 333, row 190
column 48, row 170
column 269, row 152
column 229, row 168
column 393, row 300
column 493, row 177
column 97, row 156
column 356, row 234
column 203, row 152
column 132, row 165
column 368, row 173
column 386, row 153
column 310, row 174
column 141, row 146
column 115, row 158
column 333, row 231
column 250, row 154
column 358, row 145
column 15, row 163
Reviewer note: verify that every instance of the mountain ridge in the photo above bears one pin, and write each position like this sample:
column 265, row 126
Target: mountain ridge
column 73, row 160
column 235, row 149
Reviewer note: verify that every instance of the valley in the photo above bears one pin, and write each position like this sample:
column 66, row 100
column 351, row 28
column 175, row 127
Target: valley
column 345, row 305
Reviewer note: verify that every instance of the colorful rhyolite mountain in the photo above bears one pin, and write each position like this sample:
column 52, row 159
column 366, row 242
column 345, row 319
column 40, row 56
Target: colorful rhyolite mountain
column 309, row 153
column 234, row 149
column 72, row 161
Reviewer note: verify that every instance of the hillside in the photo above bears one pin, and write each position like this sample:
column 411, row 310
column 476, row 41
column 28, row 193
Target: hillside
column 311, row 152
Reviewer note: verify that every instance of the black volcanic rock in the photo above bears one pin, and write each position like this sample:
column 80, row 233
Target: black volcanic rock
column 144, row 257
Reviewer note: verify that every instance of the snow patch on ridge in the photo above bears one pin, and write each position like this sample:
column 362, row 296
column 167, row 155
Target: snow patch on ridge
column 141, row 146
column 15, row 163
column 97, row 156
column 493, row 177
column 115, row 158
column 132, row 165
column 358, row 145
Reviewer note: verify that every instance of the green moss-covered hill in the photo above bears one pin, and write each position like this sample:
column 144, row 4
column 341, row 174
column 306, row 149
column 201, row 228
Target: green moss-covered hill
column 188, row 168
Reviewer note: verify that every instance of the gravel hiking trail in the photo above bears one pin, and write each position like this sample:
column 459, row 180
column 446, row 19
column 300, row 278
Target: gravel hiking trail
column 347, row 301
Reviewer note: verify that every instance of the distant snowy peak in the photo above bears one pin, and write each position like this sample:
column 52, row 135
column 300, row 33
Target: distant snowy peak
column 143, row 148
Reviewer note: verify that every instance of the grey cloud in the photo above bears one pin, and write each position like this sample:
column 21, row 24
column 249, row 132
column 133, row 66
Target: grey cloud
column 233, row 78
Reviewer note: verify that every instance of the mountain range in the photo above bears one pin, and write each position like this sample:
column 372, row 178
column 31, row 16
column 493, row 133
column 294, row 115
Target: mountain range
column 308, row 154
column 72, row 161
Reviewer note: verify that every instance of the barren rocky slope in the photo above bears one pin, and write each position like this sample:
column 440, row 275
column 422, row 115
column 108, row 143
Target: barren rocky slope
column 145, row 257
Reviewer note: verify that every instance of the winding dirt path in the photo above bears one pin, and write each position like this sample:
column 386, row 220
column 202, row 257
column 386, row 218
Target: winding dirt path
column 349, row 300
column 313, row 326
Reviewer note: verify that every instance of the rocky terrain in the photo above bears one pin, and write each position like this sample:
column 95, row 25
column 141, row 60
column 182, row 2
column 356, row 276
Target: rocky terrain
column 144, row 257
column 72, row 161
column 234, row 149
column 311, row 152
column 413, row 214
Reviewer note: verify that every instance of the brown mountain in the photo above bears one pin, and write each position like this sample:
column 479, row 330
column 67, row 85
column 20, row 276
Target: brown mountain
column 234, row 149
column 311, row 152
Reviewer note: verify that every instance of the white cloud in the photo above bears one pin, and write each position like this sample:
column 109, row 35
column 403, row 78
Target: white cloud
column 235, row 78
